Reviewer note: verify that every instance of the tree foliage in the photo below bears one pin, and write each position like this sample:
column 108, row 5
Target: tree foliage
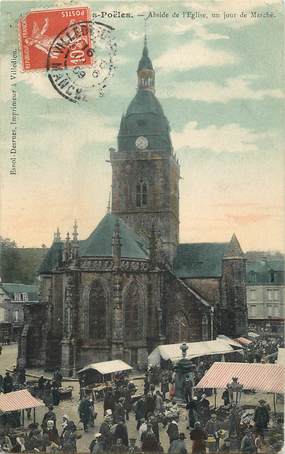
column 19, row 265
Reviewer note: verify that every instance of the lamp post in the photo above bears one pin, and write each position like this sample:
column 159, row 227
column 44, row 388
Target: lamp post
column 212, row 322
column 183, row 370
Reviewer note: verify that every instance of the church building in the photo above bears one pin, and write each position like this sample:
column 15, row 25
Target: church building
column 131, row 285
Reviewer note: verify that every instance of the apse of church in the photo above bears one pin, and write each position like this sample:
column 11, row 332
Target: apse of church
column 130, row 285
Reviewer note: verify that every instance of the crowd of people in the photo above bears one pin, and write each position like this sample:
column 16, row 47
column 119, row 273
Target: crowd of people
column 223, row 429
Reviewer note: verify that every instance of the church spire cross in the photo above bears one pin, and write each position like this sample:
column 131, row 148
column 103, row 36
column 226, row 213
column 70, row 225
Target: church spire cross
column 146, row 74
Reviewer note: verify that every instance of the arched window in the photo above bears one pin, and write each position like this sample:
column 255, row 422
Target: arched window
column 179, row 328
column 205, row 328
column 252, row 277
column 132, row 311
column 97, row 311
column 141, row 194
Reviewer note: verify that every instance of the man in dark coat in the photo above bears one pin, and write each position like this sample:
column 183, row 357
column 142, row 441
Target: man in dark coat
column 199, row 437
column 188, row 386
column 57, row 377
column 261, row 417
column 204, row 409
column 149, row 404
column 164, row 384
column 119, row 411
column 84, row 411
column 41, row 385
column 121, row 432
column 192, row 411
column 139, row 411
column 55, row 394
column 172, row 431
column 7, row 383
column 149, row 441
column 155, row 427
column 109, row 401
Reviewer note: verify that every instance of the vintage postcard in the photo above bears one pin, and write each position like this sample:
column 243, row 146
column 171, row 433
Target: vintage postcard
column 142, row 225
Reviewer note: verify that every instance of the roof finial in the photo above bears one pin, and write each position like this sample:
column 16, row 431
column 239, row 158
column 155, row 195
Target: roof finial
column 56, row 235
column 75, row 231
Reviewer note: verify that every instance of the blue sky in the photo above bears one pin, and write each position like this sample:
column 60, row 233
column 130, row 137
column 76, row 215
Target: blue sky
column 220, row 84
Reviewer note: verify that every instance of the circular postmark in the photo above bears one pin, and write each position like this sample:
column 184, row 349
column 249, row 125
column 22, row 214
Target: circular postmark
column 81, row 60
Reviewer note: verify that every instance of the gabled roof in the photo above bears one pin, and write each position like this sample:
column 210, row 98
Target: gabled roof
column 99, row 243
column 31, row 290
column 199, row 260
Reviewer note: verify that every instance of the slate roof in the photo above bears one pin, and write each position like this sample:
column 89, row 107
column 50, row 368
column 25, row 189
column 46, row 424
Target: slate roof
column 52, row 257
column 199, row 260
column 259, row 272
column 233, row 250
column 31, row 290
column 99, row 243
column 145, row 61
column 144, row 117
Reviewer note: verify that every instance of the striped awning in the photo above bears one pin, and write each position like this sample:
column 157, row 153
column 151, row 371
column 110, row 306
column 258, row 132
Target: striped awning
column 260, row 377
column 243, row 341
column 18, row 400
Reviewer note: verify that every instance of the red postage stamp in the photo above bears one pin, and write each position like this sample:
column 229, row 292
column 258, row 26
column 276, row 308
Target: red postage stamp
column 39, row 30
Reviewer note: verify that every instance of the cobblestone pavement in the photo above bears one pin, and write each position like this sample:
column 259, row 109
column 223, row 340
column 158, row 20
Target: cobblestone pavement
column 69, row 407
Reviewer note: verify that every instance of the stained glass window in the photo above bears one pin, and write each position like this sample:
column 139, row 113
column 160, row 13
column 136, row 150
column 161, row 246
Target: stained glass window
column 97, row 311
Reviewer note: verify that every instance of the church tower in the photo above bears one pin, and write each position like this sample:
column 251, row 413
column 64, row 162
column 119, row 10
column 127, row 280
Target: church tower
column 145, row 171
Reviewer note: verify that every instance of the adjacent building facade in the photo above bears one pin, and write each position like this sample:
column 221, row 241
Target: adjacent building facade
column 13, row 297
column 266, row 295
column 131, row 285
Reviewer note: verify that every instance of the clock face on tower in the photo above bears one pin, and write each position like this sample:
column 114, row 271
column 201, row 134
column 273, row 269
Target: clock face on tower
column 141, row 143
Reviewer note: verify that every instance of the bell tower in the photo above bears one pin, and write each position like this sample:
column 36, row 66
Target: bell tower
column 145, row 171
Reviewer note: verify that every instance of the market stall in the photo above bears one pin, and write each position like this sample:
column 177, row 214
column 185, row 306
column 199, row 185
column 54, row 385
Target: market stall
column 252, row 376
column 13, row 404
column 172, row 352
column 97, row 377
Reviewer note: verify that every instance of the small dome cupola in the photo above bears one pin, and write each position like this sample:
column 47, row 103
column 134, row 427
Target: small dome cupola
column 145, row 71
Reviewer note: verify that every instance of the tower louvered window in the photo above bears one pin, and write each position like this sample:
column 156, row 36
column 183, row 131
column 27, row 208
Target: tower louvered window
column 141, row 194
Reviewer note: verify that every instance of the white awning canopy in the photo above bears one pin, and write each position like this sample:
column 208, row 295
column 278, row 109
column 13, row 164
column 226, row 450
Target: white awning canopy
column 173, row 352
column 107, row 367
column 253, row 335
